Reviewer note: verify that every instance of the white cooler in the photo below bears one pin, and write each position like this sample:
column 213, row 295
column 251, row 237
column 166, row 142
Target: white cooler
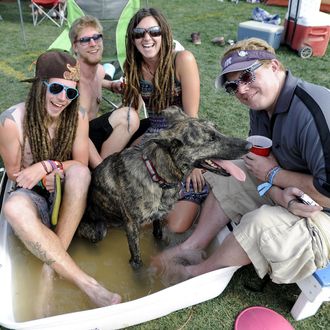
column 269, row 32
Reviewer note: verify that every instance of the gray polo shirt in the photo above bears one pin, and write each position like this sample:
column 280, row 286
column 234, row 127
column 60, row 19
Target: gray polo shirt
column 299, row 129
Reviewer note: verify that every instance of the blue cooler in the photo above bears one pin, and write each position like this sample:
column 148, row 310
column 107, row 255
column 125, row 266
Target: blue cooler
column 253, row 29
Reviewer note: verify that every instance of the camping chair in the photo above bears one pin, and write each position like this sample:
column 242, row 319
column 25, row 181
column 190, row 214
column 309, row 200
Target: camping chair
column 51, row 9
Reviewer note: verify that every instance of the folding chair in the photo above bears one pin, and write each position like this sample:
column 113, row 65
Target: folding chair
column 51, row 9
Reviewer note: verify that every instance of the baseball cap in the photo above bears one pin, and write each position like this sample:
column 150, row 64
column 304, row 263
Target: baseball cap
column 56, row 64
column 240, row 60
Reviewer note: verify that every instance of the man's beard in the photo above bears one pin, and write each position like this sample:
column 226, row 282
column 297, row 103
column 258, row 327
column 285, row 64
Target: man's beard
column 92, row 60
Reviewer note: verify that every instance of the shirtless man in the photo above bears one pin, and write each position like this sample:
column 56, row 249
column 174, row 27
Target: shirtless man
column 108, row 133
column 39, row 138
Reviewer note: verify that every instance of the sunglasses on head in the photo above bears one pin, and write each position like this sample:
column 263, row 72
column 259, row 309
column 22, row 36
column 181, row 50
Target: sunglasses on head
column 86, row 40
column 154, row 31
column 56, row 88
column 247, row 77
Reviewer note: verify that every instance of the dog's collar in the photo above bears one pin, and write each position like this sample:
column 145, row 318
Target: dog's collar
column 155, row 177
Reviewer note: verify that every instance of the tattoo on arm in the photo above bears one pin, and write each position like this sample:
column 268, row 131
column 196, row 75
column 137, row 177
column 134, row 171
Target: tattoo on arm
column 39, row 252
column 7, row 115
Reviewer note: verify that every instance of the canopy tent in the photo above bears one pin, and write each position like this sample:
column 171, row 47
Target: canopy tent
column 114, row 16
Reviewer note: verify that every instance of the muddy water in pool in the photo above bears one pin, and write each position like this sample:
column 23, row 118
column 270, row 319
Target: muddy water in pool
column 106, row 261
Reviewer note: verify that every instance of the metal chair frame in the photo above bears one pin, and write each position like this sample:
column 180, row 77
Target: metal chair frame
column 44, row 8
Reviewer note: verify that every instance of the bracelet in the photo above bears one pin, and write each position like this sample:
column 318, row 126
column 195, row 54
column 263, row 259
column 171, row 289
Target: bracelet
column 265, row 186
column 52, row 164
column 59, row 165
column 45, row 167
column 268, row 173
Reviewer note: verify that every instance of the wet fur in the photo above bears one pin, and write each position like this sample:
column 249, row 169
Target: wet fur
column 122, row 192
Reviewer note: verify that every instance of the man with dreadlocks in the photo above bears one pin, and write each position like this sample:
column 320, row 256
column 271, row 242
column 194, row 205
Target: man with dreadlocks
column 163, row 77
column 108, row 133
column 39, row 139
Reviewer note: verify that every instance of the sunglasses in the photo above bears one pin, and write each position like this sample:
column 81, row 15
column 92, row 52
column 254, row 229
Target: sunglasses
column 86, row 40
column 57, row 88
column 154, row 31
column 247, row 77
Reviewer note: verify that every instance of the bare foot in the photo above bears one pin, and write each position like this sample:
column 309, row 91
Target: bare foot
column 100, row 296
column 177, row 255
column 172, row 265
column 45, row 292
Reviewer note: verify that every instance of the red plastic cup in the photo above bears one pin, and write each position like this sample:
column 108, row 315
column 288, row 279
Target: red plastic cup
column 261, row 145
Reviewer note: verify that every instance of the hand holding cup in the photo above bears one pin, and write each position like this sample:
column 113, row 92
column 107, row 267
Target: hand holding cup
column 261, row 145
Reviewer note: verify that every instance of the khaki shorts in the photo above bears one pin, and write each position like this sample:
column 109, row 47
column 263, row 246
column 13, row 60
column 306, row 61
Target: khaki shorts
column 278, row 243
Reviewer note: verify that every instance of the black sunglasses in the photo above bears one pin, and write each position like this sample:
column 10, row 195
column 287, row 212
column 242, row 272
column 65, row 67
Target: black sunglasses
column 87, row 40
column 247, row 77
column 154, row 31
column 57, row 88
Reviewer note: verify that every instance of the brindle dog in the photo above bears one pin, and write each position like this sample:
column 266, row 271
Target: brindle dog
column 141, row 184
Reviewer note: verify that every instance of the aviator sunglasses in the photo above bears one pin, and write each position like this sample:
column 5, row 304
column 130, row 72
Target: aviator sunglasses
column 56, row 88
column 247, row 77
column 154, row 31
column 86, row 40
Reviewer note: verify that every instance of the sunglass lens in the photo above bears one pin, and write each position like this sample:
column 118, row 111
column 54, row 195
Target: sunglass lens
column 246, row 77
column 86, row 40
column 155, row 31
column 55, row 88
column 231, row 87
column 71, row 93
column 138, row 33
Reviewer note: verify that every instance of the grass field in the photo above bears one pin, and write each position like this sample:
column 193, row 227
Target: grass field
column 211, row 18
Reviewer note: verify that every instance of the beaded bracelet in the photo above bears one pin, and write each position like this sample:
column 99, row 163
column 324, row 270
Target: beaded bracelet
column 45, row 167
column 265, row 186
column 52, row 164
column 59, row 164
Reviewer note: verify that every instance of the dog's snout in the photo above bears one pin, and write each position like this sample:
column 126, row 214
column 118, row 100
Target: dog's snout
column 248, row 146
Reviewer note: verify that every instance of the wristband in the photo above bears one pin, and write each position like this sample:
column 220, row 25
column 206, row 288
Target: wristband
column 45, row 167
column 58, row 164
column 265, row 186
column 52, row 164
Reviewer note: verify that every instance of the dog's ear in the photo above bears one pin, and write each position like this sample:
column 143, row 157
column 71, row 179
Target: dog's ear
column 173, row 114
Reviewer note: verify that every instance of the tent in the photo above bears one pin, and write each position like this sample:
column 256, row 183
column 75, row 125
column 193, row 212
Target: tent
column 114, row 16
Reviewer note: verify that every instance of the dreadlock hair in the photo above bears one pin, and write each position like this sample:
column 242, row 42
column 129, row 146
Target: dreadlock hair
column 37, row 120
column 163, row 81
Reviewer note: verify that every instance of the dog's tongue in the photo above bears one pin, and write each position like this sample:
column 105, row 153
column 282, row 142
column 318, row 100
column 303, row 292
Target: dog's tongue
column 231, row 168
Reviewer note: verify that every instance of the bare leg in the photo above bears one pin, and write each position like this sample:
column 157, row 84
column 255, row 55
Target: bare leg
column 182, row 216
column 45, row 245
column 77, row 179
column 123, row 130
column 211, row 220
column 229, row 253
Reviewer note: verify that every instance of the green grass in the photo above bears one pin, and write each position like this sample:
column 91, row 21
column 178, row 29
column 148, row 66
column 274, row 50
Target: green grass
column 211, row 18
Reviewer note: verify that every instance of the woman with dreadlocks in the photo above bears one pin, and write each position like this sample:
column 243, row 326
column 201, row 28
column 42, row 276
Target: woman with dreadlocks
column 163, row 77
column 40, row 141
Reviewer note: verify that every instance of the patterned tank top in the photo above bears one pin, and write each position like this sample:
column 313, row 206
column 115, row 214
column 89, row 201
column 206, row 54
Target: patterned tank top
column 158, row 122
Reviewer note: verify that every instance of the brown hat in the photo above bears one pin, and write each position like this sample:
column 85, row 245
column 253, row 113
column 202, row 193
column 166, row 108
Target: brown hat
column 56, row 64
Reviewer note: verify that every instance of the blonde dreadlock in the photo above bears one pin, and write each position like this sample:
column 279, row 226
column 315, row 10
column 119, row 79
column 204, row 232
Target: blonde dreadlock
column 36, row 122
column 164, row 78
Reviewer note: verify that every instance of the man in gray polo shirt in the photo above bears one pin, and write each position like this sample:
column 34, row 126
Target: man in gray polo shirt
column 279, row 234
